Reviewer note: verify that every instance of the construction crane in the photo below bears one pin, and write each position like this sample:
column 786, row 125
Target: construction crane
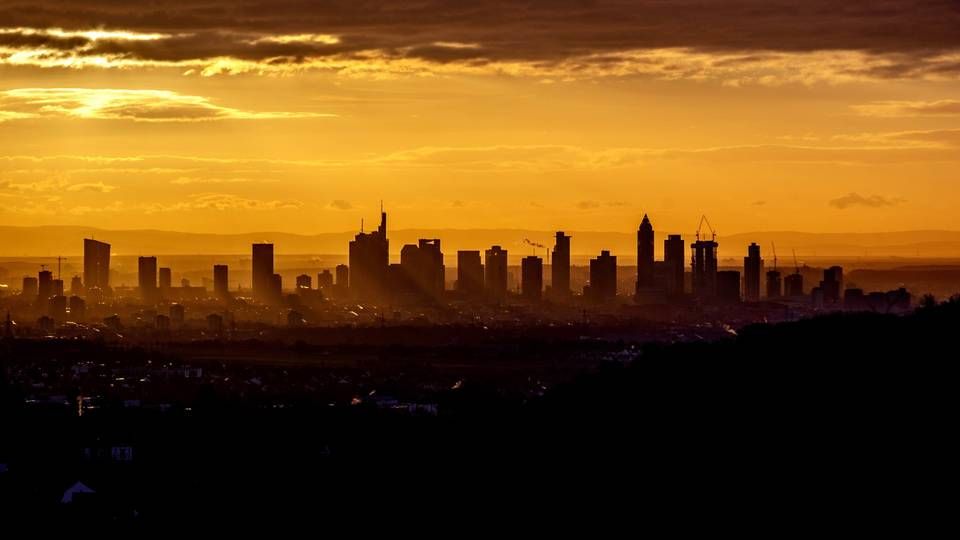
column 703, row 219
column 795, row 263
column 774, row 246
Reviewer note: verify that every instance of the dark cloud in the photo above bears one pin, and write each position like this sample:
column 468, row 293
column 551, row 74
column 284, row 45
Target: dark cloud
column 532, row 30
column 340, row 204
column 871, row 201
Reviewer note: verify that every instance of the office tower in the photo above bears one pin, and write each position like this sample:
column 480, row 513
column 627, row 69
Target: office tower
column 854, row 299
column 794, row 285
column 603, row 278
column 774, row 284
column 728, row 287
column 673, row 256
column 262, row 275
column 704, row 265
column 304, row 282
column 147, row 278
column 276, row 288
column 752, row 270
column 560, row 266
column 495, row 272
column 78, row 309
column 96, row 265
column 45, row 285
column 76, row 286
column 57, row 287
column 221, row 281
column 422, row 267
column 57, row 308
column 469, row 272
column 343, row 277
column 166, row 279
column 531, row 277
column 325, row 281
column 645, row 254
column 30, row 288
column 832, row 284
column 369, row 262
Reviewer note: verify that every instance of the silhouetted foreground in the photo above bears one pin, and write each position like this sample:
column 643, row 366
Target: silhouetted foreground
column 846, row 407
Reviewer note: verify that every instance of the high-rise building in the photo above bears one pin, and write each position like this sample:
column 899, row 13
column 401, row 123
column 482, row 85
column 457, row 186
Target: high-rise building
column 370, row 262
column 774, row 284
column 794, row 285
column 147, row 278
column 58, row 287
column 45, row 285
column 423, row 268
column 30, row 288
column 560, row 266
column 221, row 281
column 57, row 308
column 752, row 270
column 645, row 254
column 304, row 282
column 325, row 281
column 531, row 277
column 343, row 277
column 78, row 309
column 276, row 288
column 832, row 284
column 96, row 265
column 603, row 278
column 673, row 256
column 166, row 279
column 728, row 286
column 704, row 265
column 76, row 286
column 495, row 271
column 469, row 272
column 262, row 275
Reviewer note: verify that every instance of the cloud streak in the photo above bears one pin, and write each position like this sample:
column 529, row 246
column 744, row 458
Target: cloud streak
column 852, row 200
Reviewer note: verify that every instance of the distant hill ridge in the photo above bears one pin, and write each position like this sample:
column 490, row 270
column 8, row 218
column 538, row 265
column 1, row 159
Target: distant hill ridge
column 68, row 241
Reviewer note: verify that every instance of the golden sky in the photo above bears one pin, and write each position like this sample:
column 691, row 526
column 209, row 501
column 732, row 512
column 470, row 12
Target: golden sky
column 300, row 116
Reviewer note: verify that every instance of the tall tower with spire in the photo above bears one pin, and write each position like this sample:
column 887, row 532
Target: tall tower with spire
column 645, row 254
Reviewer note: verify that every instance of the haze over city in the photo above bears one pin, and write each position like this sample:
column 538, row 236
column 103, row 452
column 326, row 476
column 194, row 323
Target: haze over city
column 652, row 264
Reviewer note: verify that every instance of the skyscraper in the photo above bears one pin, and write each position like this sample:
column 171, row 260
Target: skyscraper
column 645, row 254
column 422, row 266
column 774, row 284
column 794, row 285
column 704, row 264
column 673, row 256
column 752, row 270
column 30, row 288
column 832, row 284
column 469, row 272
column 147, row 278
column 166, row 279
column 495, row 271
column 603, row 278
column 560, row 266
column 76, row 286
column 96, row 265
column 728, row 287
column 370, row 262
column 262, row 276
column 221, row 281
column 531, row 274
column 343, row 277
column 304, row 282
column 325, row 281
column 45, row 285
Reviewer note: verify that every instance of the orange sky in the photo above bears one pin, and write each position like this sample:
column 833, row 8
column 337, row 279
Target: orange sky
column 301, row 116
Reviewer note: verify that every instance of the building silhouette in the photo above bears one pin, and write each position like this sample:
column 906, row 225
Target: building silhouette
column 673, row 257
column 560, row 266
column 304, row 282
column 165, row 278
column 469, row 272
column 774, row 284
column 30, row 288
column 262, row 275
column 342, row 272
column 793, row 285
column 78, row 309
column 325, row 281
column 369, row 262
column 45, row 285
column 603, row 278
column 221, row 281
column 704, row 265
column 531, row 277
column 728, row 287
column 147, row 279
column 76, row 286
column 495, row 272
column 831, row 285
column 275, row 294
column 58, row 287
column 422, row 266
column 752, row 270
column 645, row 239
column 96, row 265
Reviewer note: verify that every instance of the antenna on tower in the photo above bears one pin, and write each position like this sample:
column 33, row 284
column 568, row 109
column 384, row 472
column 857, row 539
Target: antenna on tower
column 774, row 245
column 361, row 225
column 795, row 263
